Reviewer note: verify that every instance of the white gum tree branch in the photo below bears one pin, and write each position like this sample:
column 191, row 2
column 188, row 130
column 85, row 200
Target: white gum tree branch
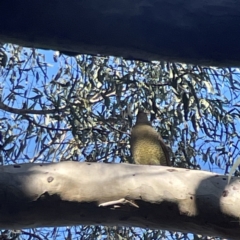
column 157, row 197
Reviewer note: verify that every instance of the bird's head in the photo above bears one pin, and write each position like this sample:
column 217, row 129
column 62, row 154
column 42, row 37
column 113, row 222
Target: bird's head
column 142, row 117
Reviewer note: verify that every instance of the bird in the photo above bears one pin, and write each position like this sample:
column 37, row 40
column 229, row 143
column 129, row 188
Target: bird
column 147, row 145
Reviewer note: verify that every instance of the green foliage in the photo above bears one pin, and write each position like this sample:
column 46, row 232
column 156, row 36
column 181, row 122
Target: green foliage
column 82, row 109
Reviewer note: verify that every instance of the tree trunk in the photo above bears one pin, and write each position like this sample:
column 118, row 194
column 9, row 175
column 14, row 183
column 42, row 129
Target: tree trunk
column 157, row 197
column 199, row 32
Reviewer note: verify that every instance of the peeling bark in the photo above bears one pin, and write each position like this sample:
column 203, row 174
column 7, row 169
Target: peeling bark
column 157, row 197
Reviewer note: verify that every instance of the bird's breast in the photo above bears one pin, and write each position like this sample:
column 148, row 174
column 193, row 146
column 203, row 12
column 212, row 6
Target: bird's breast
column 145, row 146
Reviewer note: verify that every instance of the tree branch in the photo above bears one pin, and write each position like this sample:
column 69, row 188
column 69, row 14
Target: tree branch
column 6, row 108
column 201, row 32
column 71, row 193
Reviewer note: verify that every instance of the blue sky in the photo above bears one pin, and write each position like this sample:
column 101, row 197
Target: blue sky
column 51, row 67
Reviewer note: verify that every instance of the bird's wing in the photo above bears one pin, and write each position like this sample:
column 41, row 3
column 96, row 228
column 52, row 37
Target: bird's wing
column 165, row 150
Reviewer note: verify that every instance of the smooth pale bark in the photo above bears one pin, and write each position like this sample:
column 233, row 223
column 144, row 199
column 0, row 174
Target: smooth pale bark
column 157, row 197
column 202, row 32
